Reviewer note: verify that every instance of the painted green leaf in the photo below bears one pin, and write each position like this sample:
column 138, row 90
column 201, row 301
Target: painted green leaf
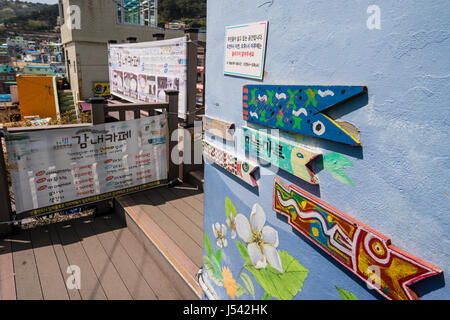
column 248, row 284
column 266, row 296
column 346, row 295
column 217, row 278
column 282, row 286
column 341, row 176
column 333, row 161
column 219, row 256
column 230, row 209
column 244, row 252
column 208, row 246
column 216, row 266
column 240, row 291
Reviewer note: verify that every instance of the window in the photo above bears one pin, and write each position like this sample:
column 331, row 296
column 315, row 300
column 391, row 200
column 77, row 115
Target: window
column 137, row 12
column 10, row 77
column 2, row 77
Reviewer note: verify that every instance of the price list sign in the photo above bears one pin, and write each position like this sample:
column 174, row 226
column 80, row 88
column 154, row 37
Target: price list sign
column 245, row 50
column 56, row 169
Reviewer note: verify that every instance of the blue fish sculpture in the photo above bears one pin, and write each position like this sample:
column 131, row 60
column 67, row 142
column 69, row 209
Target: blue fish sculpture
column 300, row 109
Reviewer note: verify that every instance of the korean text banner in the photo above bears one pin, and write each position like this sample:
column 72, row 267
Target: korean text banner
column 141, row 72
column 56, row 169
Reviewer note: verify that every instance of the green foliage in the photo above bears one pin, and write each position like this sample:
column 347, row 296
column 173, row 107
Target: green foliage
column 31, row 17
column 248, row 284
column 241, row 291
column 11, row 9
column 208, row 246
column 218, row 256
column 191, row 12
column 230, row 209
column 266, row 296
column 213, row 273
column 283, row 286
column 346, row 295
column 212, row 261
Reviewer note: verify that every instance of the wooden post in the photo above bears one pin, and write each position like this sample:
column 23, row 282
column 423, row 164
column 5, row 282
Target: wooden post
column 98, row 117
column 97, row 110
column 192, row 62
column 172, row 124
column 159, row 36
column 5, row 201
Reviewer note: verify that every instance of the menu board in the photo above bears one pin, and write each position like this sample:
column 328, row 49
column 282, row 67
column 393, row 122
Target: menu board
column 141, row 72
column 55, row 169
column 245, row 50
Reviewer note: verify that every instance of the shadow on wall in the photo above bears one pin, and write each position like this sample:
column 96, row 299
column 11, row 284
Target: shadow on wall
column 429, row 284
column 335, row 113
column 254, row 190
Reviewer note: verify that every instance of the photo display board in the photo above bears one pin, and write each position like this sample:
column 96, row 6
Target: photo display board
column 56, row 169
column 141, row 72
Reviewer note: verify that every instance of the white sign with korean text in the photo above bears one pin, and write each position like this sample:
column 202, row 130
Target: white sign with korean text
column 52, row 168
column 141, row 72
column 245, row 50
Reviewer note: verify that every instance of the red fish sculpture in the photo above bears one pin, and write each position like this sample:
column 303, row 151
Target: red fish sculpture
column 365, row 252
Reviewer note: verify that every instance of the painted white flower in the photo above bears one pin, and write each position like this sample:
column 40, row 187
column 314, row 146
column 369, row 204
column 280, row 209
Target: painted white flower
column 261, row 240
column 231, row 223
column 220, row 232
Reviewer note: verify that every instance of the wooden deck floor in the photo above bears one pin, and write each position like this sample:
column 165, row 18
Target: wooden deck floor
column 114, row 264
column 170, row 219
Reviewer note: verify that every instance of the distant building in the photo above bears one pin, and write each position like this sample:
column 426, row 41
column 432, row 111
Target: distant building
column 32, row 56
column 86, row 31
column 4, row 55
column 175, row 25
column 39, row 70
column 59, row 69
column 7, row 78
column 17, row 42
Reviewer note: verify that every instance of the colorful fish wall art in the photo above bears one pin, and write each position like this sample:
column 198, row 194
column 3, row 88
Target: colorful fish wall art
column 365, row 252
column 235, row 165
column 300, row 109
column 286, row 155
column 219, row 128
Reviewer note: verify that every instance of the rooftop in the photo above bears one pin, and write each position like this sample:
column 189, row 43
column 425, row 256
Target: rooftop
column 37, row 66
column 6, row 69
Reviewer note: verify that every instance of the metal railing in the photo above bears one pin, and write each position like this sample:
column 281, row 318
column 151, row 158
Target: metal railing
column 101, row 110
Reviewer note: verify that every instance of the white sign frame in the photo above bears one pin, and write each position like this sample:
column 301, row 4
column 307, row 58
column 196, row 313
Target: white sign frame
column 241, row 47
column 162, row 63
column 56, row 169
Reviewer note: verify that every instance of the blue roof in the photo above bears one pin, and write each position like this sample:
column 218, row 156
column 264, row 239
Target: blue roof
column 5, row 97
column 6, row 69
column 32, row 66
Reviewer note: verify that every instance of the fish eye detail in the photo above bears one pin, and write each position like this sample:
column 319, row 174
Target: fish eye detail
column 318, row 128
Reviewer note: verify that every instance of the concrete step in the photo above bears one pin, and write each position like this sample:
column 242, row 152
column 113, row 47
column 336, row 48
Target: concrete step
column 149, row 214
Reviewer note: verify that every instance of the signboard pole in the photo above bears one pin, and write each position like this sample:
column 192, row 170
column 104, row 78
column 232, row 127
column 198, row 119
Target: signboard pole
column 173, row 166
column 5, row 201
column 98, row 111
column 192, row 36
column 98, row 117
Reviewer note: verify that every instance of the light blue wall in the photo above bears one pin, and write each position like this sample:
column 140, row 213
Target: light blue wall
column 401, row 174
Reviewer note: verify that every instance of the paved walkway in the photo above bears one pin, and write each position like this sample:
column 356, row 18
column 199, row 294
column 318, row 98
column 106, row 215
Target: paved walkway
column 113, row 263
